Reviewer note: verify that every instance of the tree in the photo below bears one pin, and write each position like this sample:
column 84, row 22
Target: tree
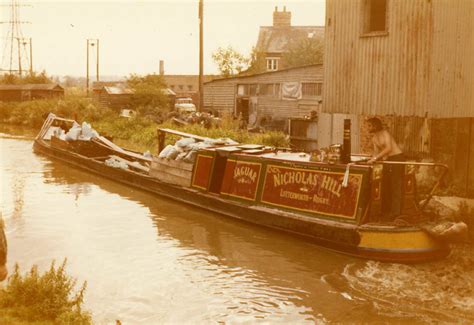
column 229, row 61
column 30, row 78
column 149, row 97
column 256, row 62
column 304, row 52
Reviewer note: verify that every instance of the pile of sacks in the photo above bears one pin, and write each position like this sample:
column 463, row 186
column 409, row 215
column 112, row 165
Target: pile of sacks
column 186, row 148
column 116, row 163
column 78, row 132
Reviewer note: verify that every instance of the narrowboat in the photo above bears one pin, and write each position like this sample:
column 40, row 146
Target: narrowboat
column 337, row 205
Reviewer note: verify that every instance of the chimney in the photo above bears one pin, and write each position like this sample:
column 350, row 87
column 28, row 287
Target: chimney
column 162, row 67
column 281, row 18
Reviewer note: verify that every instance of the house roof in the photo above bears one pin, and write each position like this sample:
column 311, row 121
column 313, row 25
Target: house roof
column 32, row 87
column 277, row 39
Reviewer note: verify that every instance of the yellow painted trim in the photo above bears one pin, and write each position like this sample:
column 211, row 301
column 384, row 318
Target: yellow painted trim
column 416, row 239
column 353, row 217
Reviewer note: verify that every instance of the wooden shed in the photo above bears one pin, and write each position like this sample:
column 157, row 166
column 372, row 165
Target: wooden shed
column 117, row 97
column 412, row 63
column 275, row 96
column 30, row 92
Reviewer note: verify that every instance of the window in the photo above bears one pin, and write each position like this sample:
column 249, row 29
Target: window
column 190, row 87
column 311, row 89
column 172, row 86
column 181, row 87
column 375, row 16
column 270, row 90
column 253, row 90
column 242, row 90
column 272, row 64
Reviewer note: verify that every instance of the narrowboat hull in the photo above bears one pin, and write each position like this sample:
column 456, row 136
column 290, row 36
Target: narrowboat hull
column 409, row 244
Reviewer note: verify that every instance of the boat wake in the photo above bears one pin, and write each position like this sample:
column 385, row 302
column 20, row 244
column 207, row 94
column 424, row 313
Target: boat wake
column 433, row 292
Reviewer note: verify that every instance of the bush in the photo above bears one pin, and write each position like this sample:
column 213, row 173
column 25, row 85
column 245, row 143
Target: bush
column 47, row 298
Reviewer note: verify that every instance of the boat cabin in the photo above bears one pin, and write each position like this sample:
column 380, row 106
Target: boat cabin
column 293, row 182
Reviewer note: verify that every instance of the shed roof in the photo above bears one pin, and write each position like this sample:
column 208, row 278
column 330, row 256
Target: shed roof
column 122, row 90
column 282, row 71
column 113, row 90
column 277, row 39
column 32, row 87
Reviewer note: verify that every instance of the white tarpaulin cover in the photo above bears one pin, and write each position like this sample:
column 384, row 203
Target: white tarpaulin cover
column 291, row 90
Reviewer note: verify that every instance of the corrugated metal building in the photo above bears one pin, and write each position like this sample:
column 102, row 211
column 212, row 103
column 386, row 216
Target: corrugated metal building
column 278, row 95
column 30, row 92
column 407, row 60
column 418, row 60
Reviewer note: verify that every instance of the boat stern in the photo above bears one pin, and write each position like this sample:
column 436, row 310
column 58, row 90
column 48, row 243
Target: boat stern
column 400, row 245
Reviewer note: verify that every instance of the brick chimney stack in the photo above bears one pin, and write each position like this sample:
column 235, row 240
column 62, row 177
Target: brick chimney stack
column 281, row 18
column 162, row 67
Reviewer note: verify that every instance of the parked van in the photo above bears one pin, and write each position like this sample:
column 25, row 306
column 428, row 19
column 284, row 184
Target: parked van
column 184, row 105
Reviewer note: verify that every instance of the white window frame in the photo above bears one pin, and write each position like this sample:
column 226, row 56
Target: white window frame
column 272, row 63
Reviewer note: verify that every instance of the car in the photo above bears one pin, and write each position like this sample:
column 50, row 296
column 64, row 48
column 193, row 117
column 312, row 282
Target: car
column 184, row 106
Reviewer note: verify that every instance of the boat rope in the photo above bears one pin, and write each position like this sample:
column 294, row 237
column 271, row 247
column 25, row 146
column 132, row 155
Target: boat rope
column 345, row 180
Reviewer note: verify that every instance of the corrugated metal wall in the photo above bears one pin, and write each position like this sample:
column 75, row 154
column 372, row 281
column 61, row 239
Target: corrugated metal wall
column 423, row 64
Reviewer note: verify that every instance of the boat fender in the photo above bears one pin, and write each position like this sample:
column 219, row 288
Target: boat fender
column 448, row 231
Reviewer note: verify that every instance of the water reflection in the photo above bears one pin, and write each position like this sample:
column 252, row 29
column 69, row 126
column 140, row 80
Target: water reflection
column 250, row 272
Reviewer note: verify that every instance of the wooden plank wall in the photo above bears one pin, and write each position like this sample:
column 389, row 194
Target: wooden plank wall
column 220, row 94
column 424, row 64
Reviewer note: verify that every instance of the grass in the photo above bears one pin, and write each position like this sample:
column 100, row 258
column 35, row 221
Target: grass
column 47, row 298
column 137, row 133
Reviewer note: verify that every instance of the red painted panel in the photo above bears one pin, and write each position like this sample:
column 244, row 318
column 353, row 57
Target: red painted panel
column 241, row 179
column 312, row 190
column 202, row 171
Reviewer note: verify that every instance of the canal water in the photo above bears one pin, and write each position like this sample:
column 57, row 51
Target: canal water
column 149, row 260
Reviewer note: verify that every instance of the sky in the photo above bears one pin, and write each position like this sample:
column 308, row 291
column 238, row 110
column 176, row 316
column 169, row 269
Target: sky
column 135, row 35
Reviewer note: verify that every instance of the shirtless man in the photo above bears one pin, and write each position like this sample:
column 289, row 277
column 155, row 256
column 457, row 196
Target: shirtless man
column 386, row 149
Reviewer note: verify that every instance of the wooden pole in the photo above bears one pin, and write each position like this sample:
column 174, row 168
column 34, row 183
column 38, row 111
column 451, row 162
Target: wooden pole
column 31, row 55
column 97, row 67
column 87, row 73
column 201, row 67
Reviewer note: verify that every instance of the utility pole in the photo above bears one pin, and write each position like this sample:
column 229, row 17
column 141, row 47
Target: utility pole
column 97, row 65
column 15, row 41
column 87, row 68
column 91, row 42
column 201, row 66
column 31, row 56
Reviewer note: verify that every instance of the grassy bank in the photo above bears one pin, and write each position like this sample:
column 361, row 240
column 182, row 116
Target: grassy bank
column 136, row 133
column 48, row 298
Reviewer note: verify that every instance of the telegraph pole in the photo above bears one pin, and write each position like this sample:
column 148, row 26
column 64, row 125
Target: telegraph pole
column 91, row 42
column 87, row 68
column 31, row 56
column 201, row 66
column 97, row 65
